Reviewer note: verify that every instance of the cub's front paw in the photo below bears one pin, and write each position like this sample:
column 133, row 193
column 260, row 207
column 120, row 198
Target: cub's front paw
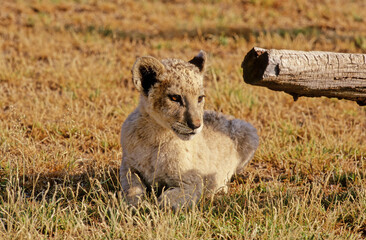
column 134, row 196
column 177, row 198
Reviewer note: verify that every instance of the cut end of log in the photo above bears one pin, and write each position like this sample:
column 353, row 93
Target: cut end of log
column 254, row 65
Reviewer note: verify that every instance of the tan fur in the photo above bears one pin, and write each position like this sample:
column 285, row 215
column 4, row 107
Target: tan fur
column 176, row 145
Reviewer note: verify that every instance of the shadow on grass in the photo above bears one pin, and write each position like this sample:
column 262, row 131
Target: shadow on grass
column 208, row 32
column 167, row 34
column 76, row 186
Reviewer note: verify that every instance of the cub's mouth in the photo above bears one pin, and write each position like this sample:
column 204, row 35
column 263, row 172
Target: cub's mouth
column 184, row 132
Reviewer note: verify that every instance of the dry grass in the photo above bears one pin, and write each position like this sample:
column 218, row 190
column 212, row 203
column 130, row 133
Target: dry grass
column 65, row 90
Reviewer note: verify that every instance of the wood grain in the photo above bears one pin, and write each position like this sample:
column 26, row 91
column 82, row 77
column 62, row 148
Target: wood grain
column 311, row 74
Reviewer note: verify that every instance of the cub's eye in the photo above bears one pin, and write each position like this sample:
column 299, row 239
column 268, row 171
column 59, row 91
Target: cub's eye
column 175, row 98
column 200, row 98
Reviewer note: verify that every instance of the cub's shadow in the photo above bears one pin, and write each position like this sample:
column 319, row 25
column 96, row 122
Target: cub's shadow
column 61, row 184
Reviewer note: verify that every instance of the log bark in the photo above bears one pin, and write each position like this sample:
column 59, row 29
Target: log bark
column 311, row 74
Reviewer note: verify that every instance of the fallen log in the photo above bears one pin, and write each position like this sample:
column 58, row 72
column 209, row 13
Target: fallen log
column 311, row 74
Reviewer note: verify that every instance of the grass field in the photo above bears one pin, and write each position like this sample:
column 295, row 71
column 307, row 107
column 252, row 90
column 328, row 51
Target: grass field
column 65, row 90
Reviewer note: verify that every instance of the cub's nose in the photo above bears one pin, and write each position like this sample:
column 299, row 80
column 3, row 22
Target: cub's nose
column 194, row 124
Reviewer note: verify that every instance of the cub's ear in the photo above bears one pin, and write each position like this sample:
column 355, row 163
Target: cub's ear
column 199, row 60
column 145, row 73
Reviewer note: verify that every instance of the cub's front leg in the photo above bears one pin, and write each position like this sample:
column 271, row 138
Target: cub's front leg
column 184, row 193
column 133, row 188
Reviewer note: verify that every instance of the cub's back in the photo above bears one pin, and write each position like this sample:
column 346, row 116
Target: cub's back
column 229, row 134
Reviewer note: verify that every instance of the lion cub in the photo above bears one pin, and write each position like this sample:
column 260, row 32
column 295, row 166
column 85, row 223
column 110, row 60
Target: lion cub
column 171, row 144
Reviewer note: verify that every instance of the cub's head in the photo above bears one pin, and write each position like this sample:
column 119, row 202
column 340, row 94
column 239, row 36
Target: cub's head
column 172, row 92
